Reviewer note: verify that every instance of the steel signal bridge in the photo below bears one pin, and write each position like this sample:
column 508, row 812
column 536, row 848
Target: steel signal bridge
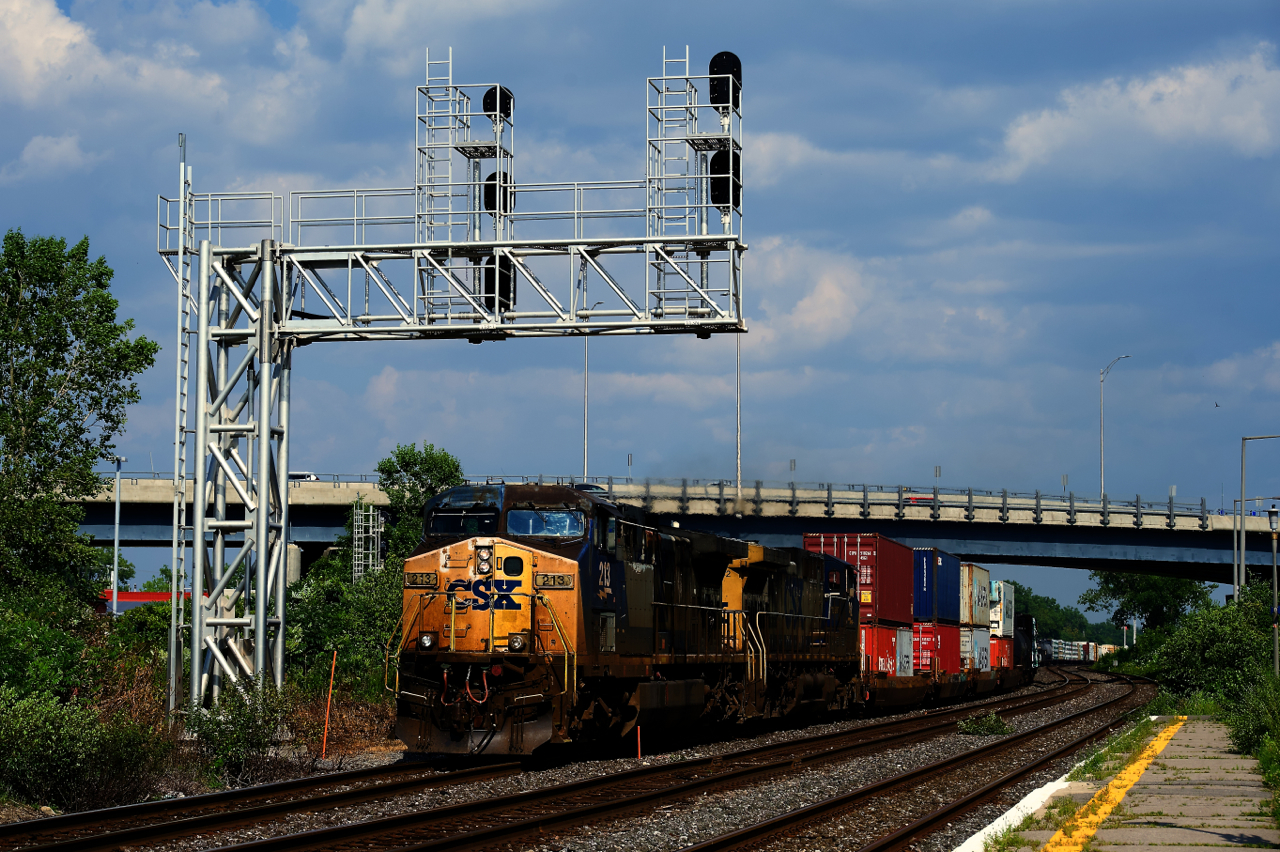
column 468, row 252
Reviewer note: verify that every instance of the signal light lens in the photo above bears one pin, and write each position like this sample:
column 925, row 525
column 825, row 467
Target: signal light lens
column 516, row 643
column 427, row 641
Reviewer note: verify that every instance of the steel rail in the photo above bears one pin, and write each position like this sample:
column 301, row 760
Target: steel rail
column 135, row 823
column 761, row 832
column 508, row 813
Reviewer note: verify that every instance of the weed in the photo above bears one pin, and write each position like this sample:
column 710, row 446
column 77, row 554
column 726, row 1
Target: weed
column 989, row 725
column 1115, row 753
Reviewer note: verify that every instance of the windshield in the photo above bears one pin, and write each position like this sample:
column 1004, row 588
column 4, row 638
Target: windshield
column 544, row 522
column 451, row 521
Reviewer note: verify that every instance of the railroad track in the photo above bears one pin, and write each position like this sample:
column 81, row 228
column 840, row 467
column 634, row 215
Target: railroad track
column 169, row 818
column 787, row 825
column 161, row 822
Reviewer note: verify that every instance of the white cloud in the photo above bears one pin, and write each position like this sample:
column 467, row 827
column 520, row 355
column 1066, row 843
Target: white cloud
column 813, row 299
column 396, row 31
column 48, row 155
column 46, row 58
column 1234, row 103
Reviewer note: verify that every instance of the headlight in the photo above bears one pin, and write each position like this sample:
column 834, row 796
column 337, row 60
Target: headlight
column 427, row 641
column 517, row 642
column 484, row 554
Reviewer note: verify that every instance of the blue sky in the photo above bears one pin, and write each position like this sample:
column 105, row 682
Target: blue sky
column 957, row 213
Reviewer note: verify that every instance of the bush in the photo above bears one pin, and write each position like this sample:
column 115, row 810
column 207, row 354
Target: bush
column 1219, row 650
column 1256, row 715
column 63, row 754
column 235, row 738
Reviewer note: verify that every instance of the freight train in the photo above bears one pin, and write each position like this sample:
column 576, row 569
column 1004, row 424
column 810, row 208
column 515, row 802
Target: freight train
column 1066, row 651
column 537, row 615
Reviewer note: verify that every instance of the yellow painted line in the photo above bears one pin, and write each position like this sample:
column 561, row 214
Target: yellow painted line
column 1075, row 834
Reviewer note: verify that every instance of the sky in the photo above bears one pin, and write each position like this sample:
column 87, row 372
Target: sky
column 957, row 214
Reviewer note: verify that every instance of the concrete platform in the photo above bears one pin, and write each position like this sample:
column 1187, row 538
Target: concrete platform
column 1195, row 795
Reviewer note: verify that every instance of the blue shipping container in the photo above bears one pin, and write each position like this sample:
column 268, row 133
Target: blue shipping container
column 937, row 586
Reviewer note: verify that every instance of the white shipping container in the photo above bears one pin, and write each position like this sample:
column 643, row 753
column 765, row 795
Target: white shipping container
column 982, row 649
column 1002, row 609
column 975, row 595
column 905, row 656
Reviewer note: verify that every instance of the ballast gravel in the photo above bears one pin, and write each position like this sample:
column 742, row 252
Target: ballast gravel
column 680, row 824
column 674, row 825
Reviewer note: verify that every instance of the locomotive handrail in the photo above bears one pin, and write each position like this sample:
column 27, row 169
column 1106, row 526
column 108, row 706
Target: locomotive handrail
column 568, row 646
column 400, row 627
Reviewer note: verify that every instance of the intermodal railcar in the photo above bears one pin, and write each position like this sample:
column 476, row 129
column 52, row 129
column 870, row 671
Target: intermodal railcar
column 536, row 615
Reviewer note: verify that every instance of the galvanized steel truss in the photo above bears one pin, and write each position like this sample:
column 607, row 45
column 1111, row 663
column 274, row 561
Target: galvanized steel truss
column 460, row 255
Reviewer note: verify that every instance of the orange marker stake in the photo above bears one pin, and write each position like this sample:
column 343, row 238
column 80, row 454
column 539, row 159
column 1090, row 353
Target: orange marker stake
column 324, row 744
column 637, row 742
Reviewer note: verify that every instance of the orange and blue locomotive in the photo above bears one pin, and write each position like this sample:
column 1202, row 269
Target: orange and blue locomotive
column 542, row 614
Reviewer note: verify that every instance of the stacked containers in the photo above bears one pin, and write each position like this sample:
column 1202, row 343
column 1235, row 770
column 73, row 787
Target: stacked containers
column 883, row 587
column 936, row 608
column 975, row 617
column 1002, row 609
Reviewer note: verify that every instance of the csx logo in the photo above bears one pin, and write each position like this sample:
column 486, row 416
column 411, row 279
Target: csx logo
column 486, row 591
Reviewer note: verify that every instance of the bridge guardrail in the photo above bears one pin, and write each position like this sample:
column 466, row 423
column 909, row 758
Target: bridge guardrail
column 863, row 497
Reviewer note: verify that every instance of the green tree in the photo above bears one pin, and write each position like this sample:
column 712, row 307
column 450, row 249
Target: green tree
column 1157, row 602
column 410, row 477
column 160, row 583
column 1053, row 620
column 67, row 370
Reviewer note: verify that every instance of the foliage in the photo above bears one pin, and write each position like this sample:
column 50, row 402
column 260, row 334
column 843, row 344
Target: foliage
column 44, row 638
column 988, row 725
column 1256, row 715
column 1217, row 650
column 63, row 754
column 160, row 583
column 67, row 371
column 235, row 738
column 410, row 477
column 328, row 612
column 1198, row 703
column 1055, row 621
column 1157, row 602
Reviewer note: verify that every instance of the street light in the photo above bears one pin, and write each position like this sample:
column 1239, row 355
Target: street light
column 1238, row 569
column 585, row 338
column 1102, row 455
column 1274, row 517
column 115, row 551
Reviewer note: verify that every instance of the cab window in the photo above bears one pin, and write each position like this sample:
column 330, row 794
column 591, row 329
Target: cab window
column 552, row 523
column 456, row 521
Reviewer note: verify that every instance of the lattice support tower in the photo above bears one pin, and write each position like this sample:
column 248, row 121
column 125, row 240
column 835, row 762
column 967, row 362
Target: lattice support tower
column 467, row 252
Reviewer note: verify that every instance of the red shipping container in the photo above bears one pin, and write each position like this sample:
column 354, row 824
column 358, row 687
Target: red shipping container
column 886, row 572
column 884, row 650
column 1001, row 653
column 936, row 642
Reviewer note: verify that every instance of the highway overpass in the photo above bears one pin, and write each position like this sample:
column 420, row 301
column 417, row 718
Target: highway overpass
column 1133, row 535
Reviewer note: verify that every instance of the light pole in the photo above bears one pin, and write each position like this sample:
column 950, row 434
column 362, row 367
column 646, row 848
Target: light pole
column 1238, row 568
column 115, row 551
column 1274, row 517
column 585, row 338
column 737, row 409
column 1102, row 431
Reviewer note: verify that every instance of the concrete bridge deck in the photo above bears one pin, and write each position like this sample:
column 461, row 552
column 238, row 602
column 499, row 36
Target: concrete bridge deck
column 1162, row 537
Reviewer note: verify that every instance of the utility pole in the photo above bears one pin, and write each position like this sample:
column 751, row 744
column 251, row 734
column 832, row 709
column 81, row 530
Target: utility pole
column 115, row 550
column 1274, row 517
column 1102, row 431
